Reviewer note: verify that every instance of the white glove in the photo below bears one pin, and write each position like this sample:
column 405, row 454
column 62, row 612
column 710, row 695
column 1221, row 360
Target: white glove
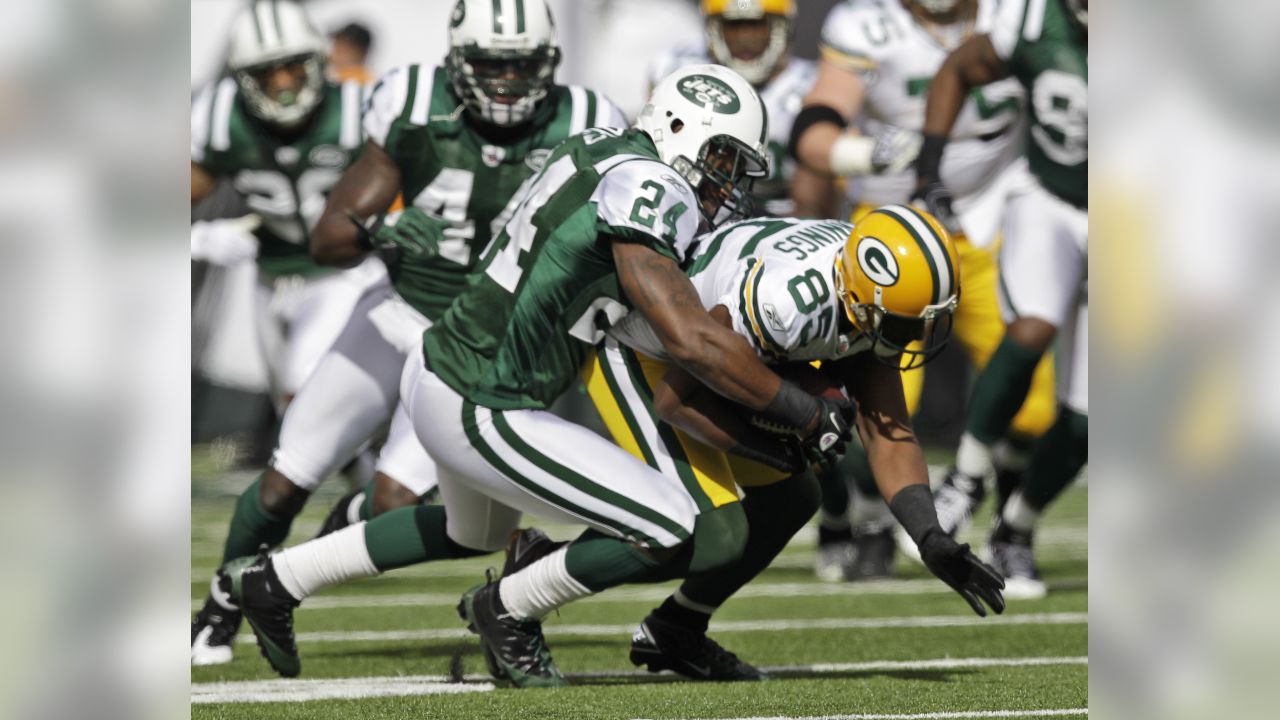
column 225, row 242
column 890, row 151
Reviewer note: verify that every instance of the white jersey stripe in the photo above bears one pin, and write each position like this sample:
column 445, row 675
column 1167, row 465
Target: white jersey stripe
column 578, row 118
column 349, row 135
column 422, row 96
column 220, row 138
column 933, row 245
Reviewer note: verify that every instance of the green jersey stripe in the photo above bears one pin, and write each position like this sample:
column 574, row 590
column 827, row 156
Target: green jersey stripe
column 683, row 468
column 581, row 482
column 592, row 110
column 924, row 250
column 519, row 17
column 494, row 458
column 410, row 95
column 497, row 16
column 628, row 416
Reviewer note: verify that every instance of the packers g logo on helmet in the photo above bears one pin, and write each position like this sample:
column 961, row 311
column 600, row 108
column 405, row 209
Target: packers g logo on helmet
column 898, row 279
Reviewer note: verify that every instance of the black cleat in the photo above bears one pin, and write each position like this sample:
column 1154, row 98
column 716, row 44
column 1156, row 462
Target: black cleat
column 874, row 555
column 340, row 516
column 516, row 648
column 661, row 645
column 1012, row 557
column 214, row 628
column 527, row 547
column 269, row 609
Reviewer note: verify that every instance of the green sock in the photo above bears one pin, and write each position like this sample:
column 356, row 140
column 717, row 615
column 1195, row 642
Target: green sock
column 366, row 505
column 599, row 561
column 411, row 535
column 1057, row 458
column 774, row 514
column 1000, row 390
column 252, row 526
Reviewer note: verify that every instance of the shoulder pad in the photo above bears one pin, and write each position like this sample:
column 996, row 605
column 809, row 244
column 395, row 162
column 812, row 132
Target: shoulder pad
column 642, row 199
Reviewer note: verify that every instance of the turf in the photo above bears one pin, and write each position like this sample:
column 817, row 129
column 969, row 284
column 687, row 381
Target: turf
column 419, row 600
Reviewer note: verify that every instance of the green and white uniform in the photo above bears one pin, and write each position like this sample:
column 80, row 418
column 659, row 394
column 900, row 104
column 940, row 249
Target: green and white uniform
column 1045, row 258
column 450, row 170
column 542, row 299
column 301, row 306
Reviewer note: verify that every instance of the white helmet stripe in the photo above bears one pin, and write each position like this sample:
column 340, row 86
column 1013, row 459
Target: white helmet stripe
column 932, row 245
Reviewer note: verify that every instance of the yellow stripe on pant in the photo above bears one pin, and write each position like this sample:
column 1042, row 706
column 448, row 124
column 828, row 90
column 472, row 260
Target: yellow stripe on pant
column 979, row 328
column 620, row 383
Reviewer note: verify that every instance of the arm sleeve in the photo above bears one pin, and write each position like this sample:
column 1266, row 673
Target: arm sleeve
column 844, row 42
column 762, row 309
column 645, row 201
column 386, row 103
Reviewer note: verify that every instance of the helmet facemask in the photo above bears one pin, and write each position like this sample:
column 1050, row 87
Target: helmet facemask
column 758, row 69
column 722, row 177
column 286, row 108
column 502, row 87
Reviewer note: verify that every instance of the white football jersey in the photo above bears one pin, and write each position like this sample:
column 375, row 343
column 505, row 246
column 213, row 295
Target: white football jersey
column 897, row 59
column 782, row 97
column 776, row 276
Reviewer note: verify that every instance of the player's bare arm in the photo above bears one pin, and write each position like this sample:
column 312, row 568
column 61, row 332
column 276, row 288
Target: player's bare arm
column 973, row 64
column 367, row 188
column 202, row 183
column 713, row 353
column 883, row 424
column 834, row 101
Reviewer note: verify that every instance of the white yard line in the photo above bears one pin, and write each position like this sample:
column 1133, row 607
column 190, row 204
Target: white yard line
column 404, row 685
column 926, row 621
column 1064, row 712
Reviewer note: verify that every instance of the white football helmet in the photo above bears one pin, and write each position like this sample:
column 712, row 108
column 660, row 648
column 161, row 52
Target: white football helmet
column 709, row 124
column 267, row 34
column 502, row 57
column 780, row 16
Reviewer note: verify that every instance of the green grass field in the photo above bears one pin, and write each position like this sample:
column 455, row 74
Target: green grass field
column 392, row 647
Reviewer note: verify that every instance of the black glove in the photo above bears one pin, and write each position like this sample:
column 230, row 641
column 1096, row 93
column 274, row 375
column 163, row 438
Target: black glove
column 827, row 442
column 782, row 454
column 959, row 568
column 413, row 232
column 937, row 199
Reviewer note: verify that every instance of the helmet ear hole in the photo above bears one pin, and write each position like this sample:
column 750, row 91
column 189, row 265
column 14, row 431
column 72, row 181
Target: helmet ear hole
column 677, row 125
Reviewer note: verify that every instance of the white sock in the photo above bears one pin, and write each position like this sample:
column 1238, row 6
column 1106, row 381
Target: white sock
column 683, row 601
column 324, row 562
column 1019, row 515
column 353, row 509
column 973, row 458
column 1009, row 457
column 540, row 588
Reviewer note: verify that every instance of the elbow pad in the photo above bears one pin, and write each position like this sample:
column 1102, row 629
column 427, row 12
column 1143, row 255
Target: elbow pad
column 809, row 116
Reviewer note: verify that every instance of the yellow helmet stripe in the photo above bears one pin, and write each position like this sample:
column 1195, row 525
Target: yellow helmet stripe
column 931, row 246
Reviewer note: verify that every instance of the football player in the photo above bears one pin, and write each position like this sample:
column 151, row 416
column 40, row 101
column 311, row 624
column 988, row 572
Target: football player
column 753, row 38
column 877, row 60
column 600, row 231
column 456, row 142
column 1044, row 262
column 853, row 297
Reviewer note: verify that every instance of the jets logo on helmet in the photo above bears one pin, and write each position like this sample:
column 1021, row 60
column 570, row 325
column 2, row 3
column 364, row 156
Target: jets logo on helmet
column 277, row 59
column 710, row 92
column 899, row 283
column 709, row 125
column 877, row 261
column 747, row 57
column 502, row 58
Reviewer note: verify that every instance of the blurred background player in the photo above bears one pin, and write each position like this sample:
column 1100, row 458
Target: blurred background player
column 877, row 60
column 349, row 53
column 485, row 120
column 1043, row 263
column 753, row 38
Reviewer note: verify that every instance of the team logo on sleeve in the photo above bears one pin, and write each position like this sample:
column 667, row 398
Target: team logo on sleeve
column 877, row 261
column 708, row 90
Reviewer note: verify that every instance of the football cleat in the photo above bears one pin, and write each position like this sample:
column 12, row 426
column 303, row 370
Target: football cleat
column 833, row 561
column 527, row 547
column 660, row 645
column 956, row 499
column 517, row 649
column 873, row 555
column 269, row 609
column 1012, row 557
column 341, row 514
column 214, row 628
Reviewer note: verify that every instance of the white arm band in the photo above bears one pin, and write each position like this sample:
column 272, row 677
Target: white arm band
column 851, row 155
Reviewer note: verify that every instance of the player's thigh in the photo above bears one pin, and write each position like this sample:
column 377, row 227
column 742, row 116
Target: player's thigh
column 346, row 400
column 1043, row 258
column 403, row 458
column 1073, row 382
column 620, row 383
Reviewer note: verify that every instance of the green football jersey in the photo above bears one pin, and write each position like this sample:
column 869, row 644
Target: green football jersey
column 463, row 174
column 547, row 290
column 286, row 184
column 1048, row 52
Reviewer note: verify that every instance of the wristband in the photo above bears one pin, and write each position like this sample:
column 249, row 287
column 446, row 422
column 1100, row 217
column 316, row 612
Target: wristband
column 809, row 116
column 792, row 407
column 929, row 161
column 913, row 507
